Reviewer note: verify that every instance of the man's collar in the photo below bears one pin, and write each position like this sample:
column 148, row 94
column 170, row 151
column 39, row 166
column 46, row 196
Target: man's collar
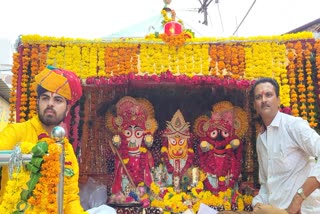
column 276, row 120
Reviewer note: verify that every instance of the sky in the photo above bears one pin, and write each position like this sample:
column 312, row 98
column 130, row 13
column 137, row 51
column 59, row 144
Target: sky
column 91, row 19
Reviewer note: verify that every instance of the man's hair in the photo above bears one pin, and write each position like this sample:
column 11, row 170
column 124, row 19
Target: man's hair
column 41, row 90
column 265, row 80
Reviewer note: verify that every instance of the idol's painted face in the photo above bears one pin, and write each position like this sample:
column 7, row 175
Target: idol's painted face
column 177, row 146
column 266, row 102
column 134, row 136
column 52, row 108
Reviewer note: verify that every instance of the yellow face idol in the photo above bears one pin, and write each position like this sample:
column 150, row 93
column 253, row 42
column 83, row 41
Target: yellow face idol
column 177, row 147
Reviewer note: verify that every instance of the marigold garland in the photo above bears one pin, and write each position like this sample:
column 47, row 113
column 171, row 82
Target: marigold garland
column 52, row 41
column 101, row 62
column 34, row 70
column 280, row 71
column 121, row 60
column 11, row 197
column 51, row 55
column 263, row 65
column 181, row 57
column 24, row 84
column 234, row 62
column 242, row 60
column 227, row 59
column 14, row 83
column 60, row 57
column 173, row 61
column 148, row 60
column 300, row 77
column 213, row 59
column 44, row 196
column 76, row 59
column 85, row 62
column 43, row 49
column 310, row 102
column 317, row 49
column 292, row 79
column 177, row 202
column 221, row 60
column 249, row 69
column 69, row 58
column 93, row 62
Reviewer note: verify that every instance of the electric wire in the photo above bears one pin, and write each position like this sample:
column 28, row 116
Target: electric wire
column 244, row 17
column 221, row 22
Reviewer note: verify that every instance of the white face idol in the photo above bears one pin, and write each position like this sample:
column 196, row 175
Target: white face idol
column 134, row 136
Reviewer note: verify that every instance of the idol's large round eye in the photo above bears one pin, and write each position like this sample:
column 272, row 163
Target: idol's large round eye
column 225, row 134
column 181, row 142
column 127, row 133
column 172, row 141
column 139, row 134
column 214, row 134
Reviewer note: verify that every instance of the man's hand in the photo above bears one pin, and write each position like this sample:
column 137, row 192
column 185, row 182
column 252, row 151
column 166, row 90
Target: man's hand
column 295, row 206
column 267, row 209
column 257, row 206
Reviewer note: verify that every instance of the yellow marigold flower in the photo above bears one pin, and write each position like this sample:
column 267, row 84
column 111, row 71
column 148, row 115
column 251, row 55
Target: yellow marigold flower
column 126, row 160
column 240, row 204
column 227, row 205
column 170, row 189
column 155, row 188
column 164, row 149
column 143, row 150
column 247, row 199
column 222, row 178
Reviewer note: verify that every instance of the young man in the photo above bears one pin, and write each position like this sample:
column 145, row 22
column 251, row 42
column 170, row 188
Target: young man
column 289, row 178
column 57, row 90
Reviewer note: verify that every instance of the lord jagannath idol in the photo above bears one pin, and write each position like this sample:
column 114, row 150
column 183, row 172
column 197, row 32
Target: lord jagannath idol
column 177, row 152
column 220, row 147
column 133, row 125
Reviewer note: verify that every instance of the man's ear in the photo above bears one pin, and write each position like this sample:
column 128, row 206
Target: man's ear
column 68, row 109
column 279, row 102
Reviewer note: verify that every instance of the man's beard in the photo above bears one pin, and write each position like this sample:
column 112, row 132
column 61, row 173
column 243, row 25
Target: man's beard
column 51, row 120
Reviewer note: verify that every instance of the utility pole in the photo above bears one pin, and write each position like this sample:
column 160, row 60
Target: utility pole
column 204, row 9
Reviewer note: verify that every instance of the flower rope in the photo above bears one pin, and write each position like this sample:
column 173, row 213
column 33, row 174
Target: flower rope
column 24, row 83
column 310, row 102
column 292, row 79
column 317, row 48
column 14, row 82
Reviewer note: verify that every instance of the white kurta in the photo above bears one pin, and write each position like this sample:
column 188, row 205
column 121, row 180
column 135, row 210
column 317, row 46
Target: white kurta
column 284, row 152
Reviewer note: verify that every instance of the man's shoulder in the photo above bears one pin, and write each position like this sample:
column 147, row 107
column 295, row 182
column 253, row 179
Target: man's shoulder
column 18, row 124
column 290, row 118
column 293, row 122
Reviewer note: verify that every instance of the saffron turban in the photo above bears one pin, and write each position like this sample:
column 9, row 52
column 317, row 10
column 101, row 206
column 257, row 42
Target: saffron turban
column 60, row 81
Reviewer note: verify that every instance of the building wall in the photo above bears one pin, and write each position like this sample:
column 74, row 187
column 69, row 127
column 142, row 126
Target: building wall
column 4, row 113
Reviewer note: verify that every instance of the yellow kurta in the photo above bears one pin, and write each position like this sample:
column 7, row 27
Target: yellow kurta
column 28, row 132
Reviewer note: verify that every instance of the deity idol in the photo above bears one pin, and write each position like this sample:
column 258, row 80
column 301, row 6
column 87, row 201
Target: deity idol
column 177, row 152
column 133, row 127
column 220, row 148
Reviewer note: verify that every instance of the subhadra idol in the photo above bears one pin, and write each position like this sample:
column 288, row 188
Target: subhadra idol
column 177, row 152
